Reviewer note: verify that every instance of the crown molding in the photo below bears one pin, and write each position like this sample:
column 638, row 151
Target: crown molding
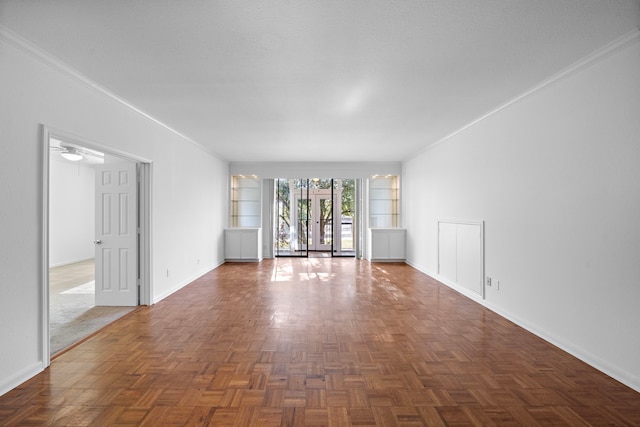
column 609, row 49
column 35, row 52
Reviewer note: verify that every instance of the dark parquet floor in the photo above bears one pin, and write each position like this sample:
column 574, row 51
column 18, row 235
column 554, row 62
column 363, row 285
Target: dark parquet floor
column 318, row 342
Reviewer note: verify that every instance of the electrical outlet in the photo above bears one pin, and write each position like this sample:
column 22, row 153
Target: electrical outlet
column 167, row 272
column 488, row 281
column 496, row 284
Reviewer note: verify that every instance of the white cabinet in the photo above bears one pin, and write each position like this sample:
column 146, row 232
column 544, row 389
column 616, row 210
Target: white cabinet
column 387, row 244
column 243, row 244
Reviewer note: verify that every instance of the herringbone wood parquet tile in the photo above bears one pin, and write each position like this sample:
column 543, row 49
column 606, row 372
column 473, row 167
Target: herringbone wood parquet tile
column 317, row 342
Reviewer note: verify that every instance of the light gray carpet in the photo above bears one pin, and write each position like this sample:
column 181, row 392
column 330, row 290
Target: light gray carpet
column 72, row 314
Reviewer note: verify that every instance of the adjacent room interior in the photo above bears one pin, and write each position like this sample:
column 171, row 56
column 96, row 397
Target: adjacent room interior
column 73, row 312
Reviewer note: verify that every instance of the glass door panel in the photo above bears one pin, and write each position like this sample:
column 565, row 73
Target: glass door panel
column 344, row 193
column 315, row 226
column 303, row 216
column 323, row 222
column 315, row 215
column 292, row 217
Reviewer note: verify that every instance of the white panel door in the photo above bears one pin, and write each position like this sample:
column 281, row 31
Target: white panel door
column 116, row 235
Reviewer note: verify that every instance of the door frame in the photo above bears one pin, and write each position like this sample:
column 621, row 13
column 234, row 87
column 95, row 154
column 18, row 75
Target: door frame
column 144, row 214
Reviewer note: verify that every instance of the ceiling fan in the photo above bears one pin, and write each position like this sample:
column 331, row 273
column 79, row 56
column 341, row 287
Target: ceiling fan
column 75, row 154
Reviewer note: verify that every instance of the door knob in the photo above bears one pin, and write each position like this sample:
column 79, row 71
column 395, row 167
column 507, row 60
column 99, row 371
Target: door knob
column 97, row 242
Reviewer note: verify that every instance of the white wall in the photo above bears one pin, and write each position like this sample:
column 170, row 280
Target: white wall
column 556, row 177
column 315, row 169
column 71, row 211
column 189, row 193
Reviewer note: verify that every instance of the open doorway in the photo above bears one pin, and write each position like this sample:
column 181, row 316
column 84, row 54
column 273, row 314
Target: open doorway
column 93, row 199
column 73, row 312
column 315, row 217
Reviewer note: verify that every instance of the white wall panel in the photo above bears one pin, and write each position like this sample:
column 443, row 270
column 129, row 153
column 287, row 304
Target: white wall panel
column 460, row 254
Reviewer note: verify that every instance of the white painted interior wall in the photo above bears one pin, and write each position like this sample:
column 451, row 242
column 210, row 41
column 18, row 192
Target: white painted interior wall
column 315, row 169
column 189, row 194
column 556, row 177
column 71, row 211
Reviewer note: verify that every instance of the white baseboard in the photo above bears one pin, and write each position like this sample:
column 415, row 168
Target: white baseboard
column 184, row 283
column 624, row 377
column 20, row 377
column 69, row 262
column 614, row 372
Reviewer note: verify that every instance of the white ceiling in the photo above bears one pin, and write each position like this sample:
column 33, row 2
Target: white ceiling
column 318, row 80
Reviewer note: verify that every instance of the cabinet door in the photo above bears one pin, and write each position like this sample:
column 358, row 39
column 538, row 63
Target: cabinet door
column 232, row 245
column 379, row 244
column 249, row 244
column 396, row 244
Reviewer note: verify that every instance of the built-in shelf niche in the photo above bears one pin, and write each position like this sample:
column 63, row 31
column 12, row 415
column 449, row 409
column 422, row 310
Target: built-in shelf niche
column 245, row 201
column 384, row 202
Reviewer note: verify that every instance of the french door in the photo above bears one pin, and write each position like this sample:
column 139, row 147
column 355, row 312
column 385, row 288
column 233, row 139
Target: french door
column 315, row 215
